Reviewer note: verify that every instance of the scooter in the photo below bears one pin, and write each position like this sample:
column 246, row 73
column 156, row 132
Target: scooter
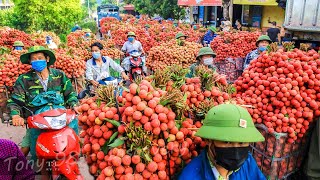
column 134, row 65
column 58, row 145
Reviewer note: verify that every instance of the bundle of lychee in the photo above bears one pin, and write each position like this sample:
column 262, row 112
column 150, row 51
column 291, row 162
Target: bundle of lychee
column 72, row 65
column 9, row 35
column 11, row 68
column 234, row 44
column 77, row 38
column 283, row 86
column 168, row 54
column 141, row 140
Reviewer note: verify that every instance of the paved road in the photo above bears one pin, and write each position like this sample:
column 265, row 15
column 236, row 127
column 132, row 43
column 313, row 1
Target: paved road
column 16, row 133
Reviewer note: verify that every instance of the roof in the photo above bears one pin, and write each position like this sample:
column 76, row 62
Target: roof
column 129, row 7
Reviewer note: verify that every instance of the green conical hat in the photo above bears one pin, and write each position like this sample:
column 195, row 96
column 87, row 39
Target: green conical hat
column 263, row 38
column 180, row 34
column 229, row 123
column 18, row 43
column 206, row 51
column 25, row 58
column 131, row 34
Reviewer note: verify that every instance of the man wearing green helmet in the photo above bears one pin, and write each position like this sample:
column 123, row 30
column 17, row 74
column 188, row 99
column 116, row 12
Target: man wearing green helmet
column 205, row 57
column 132, row 44
column 228, row 129
column 180, row 37
column 262, row 44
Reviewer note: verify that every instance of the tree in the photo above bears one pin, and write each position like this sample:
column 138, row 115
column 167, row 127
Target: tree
column 109, row 2
column 49, row 15
column 165, row 8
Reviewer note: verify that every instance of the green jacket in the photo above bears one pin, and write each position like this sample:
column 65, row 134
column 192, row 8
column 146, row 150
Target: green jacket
column 28, row 86
column 193, row 69
column 312, row 166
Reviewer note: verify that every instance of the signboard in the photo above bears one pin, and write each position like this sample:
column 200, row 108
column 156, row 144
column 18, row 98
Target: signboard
column 256, row 2
column 200, row 2
column 201, row 13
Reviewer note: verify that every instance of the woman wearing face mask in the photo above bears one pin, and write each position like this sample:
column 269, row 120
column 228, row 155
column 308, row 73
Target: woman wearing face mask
column 98, row 66
column 262, row 44
column 228, row 129
column 204, row 57
column 132, row 44
column 18, row 46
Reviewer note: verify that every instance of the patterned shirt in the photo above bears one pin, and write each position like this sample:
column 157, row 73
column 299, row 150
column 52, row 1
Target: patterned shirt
column 13, row 164
column 208, row 37
column 251, row 56
column 193, row 67
column 28, row 86
column 98, row 72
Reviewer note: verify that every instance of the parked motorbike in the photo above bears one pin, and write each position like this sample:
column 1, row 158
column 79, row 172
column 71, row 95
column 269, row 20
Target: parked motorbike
column 58, row 144
column 134, row 65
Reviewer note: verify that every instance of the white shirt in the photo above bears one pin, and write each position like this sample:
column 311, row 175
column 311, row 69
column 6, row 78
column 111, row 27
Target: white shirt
column 97, row 72
column 128, row 46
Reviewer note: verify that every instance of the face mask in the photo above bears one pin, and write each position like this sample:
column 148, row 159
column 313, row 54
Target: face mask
column 96, row 55
column 231, row 158
column 18, row 48
column 87, row 35
column 208, row 61
column 262, row 48
column 39, row 65
column 130, row 39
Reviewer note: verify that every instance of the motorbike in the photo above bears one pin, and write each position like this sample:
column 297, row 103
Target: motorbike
column 58, row 144
column 134, row 65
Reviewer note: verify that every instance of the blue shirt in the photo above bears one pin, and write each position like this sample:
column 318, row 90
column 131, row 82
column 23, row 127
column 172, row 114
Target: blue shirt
column 199, row 169
column 209, row 36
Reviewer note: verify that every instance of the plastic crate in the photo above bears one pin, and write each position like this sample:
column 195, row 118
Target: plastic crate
column 232, row 68
column 276, row 158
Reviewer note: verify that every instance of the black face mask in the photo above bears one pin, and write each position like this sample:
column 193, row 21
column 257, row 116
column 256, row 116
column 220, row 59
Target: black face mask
column 231, row 158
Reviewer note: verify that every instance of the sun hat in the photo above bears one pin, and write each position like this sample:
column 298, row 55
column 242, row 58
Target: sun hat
column 206, row 51
column 229, row 123
column 18, row 43
column 263, row 38
column 131, row 34
column 25, row 58
column 180, row 34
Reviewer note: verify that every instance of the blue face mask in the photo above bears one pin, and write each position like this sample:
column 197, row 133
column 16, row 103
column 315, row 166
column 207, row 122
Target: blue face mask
column 87, row 34
column 130, row 39
column 18, row 48
column 39, row 65
column 96, row 55
column 262, row 48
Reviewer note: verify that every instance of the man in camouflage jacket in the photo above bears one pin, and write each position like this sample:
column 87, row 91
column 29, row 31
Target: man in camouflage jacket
column 40, row 79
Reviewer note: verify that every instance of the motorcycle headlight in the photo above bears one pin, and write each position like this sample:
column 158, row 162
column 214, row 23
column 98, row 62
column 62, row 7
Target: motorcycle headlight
column 57, row 122
column 40, row 126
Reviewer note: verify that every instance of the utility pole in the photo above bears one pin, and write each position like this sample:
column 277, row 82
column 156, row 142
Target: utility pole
column 88, row 8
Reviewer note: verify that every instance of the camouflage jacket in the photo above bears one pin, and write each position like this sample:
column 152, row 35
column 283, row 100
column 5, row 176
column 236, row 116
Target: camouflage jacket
column 28, row 86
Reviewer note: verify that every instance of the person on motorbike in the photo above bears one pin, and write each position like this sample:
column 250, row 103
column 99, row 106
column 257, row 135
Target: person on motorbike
column 181, row 38
column 227, row 129
column 132, row 44
column 35, row 83
column 13, row 164
column 97, row 68
column 18, row 45
column 134, row 55
column 205, row 57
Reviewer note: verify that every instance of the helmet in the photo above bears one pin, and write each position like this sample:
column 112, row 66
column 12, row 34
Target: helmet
column 213, row 29
column 263, row 38
column 180, row 34
column 131, row 34
column 205, row 51
column 18, row 43
column 87, row 30
column 229, row 122
column 135, row 53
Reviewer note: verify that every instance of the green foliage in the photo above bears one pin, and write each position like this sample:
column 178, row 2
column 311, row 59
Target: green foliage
column 48, row 15
column 5, row 17
column 92, row 4
column 92, row 25
column 165, row 8
column 109, row 2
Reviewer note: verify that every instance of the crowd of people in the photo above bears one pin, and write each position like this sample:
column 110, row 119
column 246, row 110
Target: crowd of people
column 228, row 129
